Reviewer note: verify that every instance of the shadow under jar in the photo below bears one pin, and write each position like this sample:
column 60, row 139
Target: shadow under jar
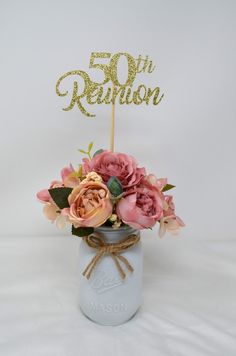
column 105, row 297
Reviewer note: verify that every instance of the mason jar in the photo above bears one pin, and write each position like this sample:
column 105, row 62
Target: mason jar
column 105, row 297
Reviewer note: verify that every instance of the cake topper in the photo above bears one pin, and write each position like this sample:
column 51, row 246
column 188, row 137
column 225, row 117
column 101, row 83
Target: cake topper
column 91, row 92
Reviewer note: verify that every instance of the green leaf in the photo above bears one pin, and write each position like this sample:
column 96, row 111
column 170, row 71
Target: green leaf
column 82, row 231
column 90, row 146
column 82, row 151
column 98, row 152
column 168, row 187
column 60, row 196
column 115, row 186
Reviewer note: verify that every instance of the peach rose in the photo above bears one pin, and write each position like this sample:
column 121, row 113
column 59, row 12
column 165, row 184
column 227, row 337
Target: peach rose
column 90, row 205
column 108, row 164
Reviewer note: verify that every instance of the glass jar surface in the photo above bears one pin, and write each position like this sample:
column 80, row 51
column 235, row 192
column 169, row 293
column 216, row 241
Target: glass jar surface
column 105, row 297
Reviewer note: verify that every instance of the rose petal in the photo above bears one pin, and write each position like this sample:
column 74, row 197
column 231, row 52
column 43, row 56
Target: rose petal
column 44, row 195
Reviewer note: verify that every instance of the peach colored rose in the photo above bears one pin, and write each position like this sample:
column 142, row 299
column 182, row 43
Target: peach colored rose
column 170, row 222
column 142, row 206
column 120, row 165
column 90, row 205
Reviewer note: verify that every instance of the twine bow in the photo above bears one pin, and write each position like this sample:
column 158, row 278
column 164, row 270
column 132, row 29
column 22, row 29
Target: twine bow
column 97, row 242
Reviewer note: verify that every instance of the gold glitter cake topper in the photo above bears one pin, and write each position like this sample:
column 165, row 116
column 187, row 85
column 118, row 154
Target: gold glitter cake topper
column 91, row 92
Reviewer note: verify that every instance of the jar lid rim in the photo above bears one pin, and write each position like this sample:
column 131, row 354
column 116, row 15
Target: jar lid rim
column 109, row 228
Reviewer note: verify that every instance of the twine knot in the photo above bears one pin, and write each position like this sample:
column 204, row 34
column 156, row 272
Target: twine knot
column 114, row 250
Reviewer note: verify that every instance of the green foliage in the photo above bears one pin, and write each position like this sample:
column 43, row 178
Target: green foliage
column 168, row 187
column 115, row 186
column 88, row 152
column 90, row 146
column 82, row 231
column 60, row 196
column 98, row 152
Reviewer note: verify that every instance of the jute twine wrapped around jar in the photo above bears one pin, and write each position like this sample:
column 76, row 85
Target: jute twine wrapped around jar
column 114, row 250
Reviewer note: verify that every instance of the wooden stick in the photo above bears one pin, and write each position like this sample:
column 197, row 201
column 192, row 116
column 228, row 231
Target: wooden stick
column 112, row 144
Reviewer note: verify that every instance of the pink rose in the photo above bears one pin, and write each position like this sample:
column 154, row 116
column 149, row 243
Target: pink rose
column 170, row 222
column 90, row 205
column 120, row 165
column 142, row 206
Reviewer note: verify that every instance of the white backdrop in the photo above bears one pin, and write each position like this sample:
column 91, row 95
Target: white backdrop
column 189, row 137
column 189, row 289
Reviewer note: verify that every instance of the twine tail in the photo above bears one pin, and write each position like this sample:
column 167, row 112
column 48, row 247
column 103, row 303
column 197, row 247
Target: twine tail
column 97, row 242
column 120, row 269
column 126, row 262
column 92, row 264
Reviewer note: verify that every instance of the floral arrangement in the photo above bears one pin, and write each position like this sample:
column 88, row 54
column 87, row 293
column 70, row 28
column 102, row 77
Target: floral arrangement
column 109, row 189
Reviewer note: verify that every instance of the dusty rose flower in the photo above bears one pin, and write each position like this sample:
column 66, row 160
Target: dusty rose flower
column 170, row 222
column 90, row 205
column 108, row 164
column 142, row 206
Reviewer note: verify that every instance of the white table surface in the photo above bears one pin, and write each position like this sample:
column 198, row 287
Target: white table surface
column 189, row 301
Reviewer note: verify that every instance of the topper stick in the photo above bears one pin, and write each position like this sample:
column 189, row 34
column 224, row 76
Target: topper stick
column 112, row 124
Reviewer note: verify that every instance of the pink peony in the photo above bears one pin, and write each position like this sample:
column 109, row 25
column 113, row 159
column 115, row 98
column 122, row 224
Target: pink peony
column 142, row 206
column 90, row 205
column 170, row 222
column 120, row 165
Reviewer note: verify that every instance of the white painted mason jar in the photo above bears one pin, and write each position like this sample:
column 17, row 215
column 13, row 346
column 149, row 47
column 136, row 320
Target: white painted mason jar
column 105, row 297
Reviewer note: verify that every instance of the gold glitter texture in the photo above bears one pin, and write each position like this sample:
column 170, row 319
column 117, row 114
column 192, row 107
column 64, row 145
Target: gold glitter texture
column 96, row 93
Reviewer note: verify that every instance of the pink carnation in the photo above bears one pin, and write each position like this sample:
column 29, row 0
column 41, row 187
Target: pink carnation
column 120, row 165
